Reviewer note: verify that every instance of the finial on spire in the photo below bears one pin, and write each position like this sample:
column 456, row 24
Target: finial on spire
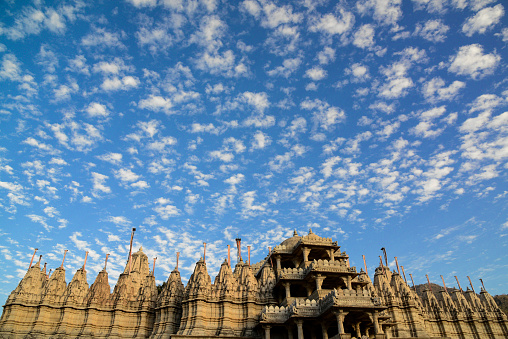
column 177, row 257
column 482, row 284
column 470, row 283
column 31, row 261
column 428, row 282
column 365, row 264
column 65, row 253
column 310, row 231
column 248, row 250
column 403, row 273
column 444, row 285
column 153, row 269
column 239, row 248
column 295, row 233
column 458, row 284
column 130, row 250
column 86, row 256
column 106, row 262
column 397, row 263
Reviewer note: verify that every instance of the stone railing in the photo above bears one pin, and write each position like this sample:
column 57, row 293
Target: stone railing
column 283, row 249
column 348, row 298
column 275, row 314
column 335, row 266
column 292, row 273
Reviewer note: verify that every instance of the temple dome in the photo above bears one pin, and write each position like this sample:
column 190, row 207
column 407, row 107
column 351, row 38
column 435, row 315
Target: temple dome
column 291, row 242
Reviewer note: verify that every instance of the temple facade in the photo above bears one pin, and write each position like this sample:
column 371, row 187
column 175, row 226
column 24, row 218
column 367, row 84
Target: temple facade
column 304, row 288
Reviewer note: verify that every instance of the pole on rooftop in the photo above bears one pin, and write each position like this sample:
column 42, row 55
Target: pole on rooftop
column 130, row 250
column 31, row 261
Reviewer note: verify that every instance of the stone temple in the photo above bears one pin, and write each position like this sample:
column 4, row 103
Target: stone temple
column 304, row 288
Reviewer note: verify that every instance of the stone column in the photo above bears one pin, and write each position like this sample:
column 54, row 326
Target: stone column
column 267, row 331
column 349, row 283
column 324, row 329
column 299, row 324
column 330, row 253
column 290, row 332
column 340, row 320
column 377, row 328
column 277, row 259
column 357, row 329
column 306, row 252
column 288, row 290
column 319, row 281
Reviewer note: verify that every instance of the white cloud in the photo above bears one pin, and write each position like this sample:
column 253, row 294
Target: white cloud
column 126, row 175
column 125, row 83
column 156, row 103
column 316, row 73
column 102, row 38
column 114, row 158
column 166, row 211
column 96, row 109
column 119, row 221
column 289, row 66
column 270, row 14
column 388, row 12
column 99, row 186
column 432, row 30
column 332, row 24
column 143, row 3
column 364, row 36
column 326, row 56
column 260, row 140
column 483, row 20
column 434, row 90
column 471, row 61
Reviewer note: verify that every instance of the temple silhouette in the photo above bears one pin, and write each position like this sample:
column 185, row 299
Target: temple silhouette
column 304, row 288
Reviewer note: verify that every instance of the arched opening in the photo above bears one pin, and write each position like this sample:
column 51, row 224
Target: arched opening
column 355, row 322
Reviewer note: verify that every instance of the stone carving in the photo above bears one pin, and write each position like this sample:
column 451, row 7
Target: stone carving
column 304, row 285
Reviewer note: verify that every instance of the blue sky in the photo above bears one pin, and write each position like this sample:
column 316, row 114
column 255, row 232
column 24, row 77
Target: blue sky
column 379, row 123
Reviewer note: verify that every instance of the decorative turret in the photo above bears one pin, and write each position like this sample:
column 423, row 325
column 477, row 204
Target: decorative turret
column 77, row 289
column 199, row 282
column 30, row 288
column 55, row 288
column 100, row 290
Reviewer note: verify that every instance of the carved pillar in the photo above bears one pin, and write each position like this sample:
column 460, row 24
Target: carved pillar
column 299, row 325
column 319, row 281
column 277, row 260
column 306, row 252
column 288, row 290
column 377, row 328
column 324, row 329
column 267, row 331
column 349, row 282
column 290, row 332
column 331, row 251
column 340, row 320
column 357, row 329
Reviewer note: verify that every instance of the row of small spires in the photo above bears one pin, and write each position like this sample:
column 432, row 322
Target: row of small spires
column 238, row 244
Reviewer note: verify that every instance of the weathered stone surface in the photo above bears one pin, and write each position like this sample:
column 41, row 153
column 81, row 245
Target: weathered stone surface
column 305, row 288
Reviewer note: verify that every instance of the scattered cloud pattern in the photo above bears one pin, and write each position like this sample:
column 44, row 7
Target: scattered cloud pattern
column 375, row 122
